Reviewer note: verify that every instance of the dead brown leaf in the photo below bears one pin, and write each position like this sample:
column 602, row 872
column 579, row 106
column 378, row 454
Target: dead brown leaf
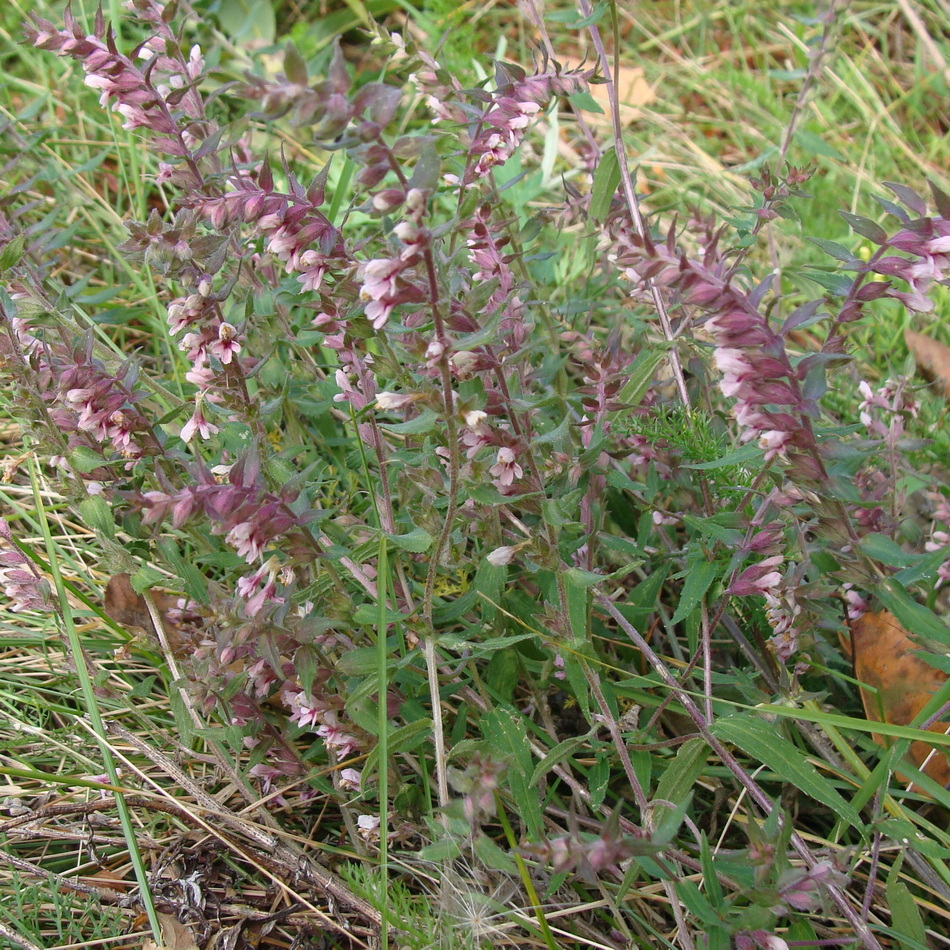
column 128, row 609
column 897, row 684
column 175, row 935
column 932, row 358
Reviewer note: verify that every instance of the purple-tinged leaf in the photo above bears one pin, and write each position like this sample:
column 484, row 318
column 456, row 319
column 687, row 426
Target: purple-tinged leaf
column 759, row 292
column 316, row 193
column 425, row 175
column 837, row 284
column 873, row 290
column 837, row 251
column 808, row 364
column 266, row 176
column 941, row 199
column 865, row 227
column 295, row 69
column 337, row 74
column 210, row 144
column 802, row 316
column 379, row 101
column 909, row 197
column 894, row 209
column 815, row 383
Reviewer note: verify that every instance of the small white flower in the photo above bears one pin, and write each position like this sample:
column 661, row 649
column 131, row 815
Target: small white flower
column 501, row 556
column 475, row 418
column 351, row 779
column 368, row 826
column 388, row 400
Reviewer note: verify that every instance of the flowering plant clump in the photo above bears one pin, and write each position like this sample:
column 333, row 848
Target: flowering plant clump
column 459, row 548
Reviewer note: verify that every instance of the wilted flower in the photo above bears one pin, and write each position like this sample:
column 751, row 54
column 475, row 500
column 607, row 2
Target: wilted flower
column 368, row 827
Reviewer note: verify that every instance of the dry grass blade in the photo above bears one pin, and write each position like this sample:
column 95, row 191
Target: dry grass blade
column 286, row 864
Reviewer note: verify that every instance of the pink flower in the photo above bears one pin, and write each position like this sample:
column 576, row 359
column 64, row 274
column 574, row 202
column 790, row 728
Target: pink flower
column 506, row 470
column 758, row 579
column 350, row 779
column 243, row 538
column 198, row 424
column 226, row 346
column 256, row 593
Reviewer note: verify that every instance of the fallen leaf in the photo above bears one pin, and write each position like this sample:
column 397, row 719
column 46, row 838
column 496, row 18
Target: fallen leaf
column 175, row 935
column 128, row 609
column 896, row 684
column 932, row 358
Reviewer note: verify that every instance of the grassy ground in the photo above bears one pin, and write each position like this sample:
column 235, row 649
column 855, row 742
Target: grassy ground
column 232, row 862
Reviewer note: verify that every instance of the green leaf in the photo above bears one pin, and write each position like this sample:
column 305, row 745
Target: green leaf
column 882, row 548
column 458, row 643
column 563, row 750
column 813, row 144
column 196, row 584
column 640, row 375
column 865, row 227
column 361, row 661
column 833, row 281
column 421, row 425
column 571, row 20
column 696, row 903
column 680, row 776
column 905, row 916
column 925, row 569
column 762, row 741
column 425, row 174
column 182, row 716
column 598, row 779
column 710, row 878
column 447, row 849
column 245, row 20
column 576, row 584
column 294, row 67
column 12, row 252
column 700, row 574
column 403, row 739
column 606, row 179
column 740, row 456
column 837, row 251
column 717, row 527
column 505, row 729
column 145, row 578
column 584, row 101
column 918, row 620
column 368, row 614
column 493, row 857
column 416, row 541
column 489, row 584
column 97, row 514
column 85, row 460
